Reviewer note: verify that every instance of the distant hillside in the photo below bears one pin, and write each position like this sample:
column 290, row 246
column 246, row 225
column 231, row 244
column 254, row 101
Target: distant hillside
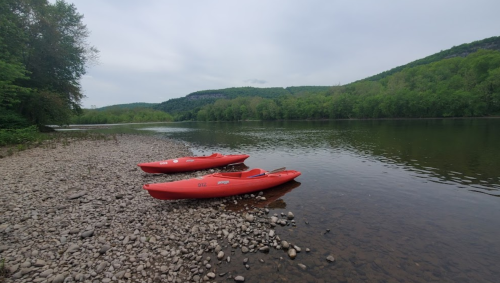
column 129, row 106
column 200, row 98
column 463, row 50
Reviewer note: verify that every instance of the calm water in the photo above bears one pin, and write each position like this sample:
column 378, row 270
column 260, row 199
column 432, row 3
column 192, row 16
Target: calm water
column 405, row 201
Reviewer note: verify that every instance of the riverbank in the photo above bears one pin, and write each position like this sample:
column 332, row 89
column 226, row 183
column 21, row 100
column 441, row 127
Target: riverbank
column 77, row 210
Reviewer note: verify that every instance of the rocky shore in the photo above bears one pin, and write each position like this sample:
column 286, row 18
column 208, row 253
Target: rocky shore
column 76, row 212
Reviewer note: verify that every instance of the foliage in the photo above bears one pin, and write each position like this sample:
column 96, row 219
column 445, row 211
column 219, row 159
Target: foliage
column 43, row 55
column 455, row 87
column 18, row 136
column 121, row 115
column 183, row 107
column 492, row 43
column 130, row 106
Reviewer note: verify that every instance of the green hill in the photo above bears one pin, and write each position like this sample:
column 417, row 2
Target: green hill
column 463, row 50
column 129, row 106
column 198, row 99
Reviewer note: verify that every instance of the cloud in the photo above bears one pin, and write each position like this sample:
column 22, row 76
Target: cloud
column 256, row 81
column 153, row 51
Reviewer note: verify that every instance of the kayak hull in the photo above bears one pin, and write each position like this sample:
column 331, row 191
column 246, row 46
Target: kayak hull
column 220, row 184
column 184, row 164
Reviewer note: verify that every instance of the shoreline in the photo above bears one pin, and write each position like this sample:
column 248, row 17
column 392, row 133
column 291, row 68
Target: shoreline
column 78, row 212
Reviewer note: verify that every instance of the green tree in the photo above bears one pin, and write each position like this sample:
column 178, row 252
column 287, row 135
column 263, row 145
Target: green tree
column 44, row 55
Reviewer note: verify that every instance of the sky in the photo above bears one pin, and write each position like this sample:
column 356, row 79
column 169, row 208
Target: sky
column 153, row 51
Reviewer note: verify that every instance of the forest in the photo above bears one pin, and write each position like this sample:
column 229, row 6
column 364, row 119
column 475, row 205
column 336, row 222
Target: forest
column 44, row 53
column 455, row 87
column 117, row 114
column 205, row 97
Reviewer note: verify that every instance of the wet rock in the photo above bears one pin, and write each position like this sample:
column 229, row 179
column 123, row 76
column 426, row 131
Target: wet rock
column 285, row 245
column 292, row 253
column 264, row 249
column 290, row 215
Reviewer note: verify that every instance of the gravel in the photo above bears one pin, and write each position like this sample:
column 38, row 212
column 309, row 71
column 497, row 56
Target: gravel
column 77, row 213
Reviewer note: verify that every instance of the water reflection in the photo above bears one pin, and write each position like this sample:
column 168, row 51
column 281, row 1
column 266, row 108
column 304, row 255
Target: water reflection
column 405, row 201
column 273, row 198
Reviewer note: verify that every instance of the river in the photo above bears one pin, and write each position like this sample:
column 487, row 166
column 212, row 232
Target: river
column 391, row 200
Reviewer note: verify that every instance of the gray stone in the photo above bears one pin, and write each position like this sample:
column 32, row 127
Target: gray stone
column 40, row 263
column 104, row 249
column 239, row 278
column 59, row 278
column 264, row 249
column 46, row 273
column 73, row 248
column 77, row 195
column 330, row 258
column 86, row 234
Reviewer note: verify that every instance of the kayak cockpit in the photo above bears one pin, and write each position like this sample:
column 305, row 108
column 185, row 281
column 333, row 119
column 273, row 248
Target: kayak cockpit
column 240, row 175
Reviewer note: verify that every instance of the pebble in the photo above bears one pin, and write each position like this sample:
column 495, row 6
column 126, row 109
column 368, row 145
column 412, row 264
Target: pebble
column 89, row 221
column 239, row 278
column 330, row 258
column 290, row 215
column 292, row 253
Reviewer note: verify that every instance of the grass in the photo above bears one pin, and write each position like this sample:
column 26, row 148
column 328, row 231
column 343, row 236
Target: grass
column 12, row 141
column 4, row 272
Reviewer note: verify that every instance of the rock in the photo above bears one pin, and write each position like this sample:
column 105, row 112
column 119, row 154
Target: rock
column 244, row 249
column 290, row 215
column 46, row 273
column 77, row 195
column 101, row 267
column 73, row 248
column 40, row 263
column 104, row 249
column 292, row 253
column 330, row 258
column 239, row 278
column 59, row 278
column 303, row 267
column 211, row 275
column 264, row 249
column 86, row 234
column 285, row 245
column 249, row 217
column 220, row 255
column 120, row 274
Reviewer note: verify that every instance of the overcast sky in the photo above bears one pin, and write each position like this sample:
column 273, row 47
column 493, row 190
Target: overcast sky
column 152, row 51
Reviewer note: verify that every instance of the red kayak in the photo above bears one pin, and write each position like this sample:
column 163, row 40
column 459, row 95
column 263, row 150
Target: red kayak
column 184, row 164
column 221, row 184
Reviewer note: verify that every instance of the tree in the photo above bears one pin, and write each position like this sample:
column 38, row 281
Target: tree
column 44, row 55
